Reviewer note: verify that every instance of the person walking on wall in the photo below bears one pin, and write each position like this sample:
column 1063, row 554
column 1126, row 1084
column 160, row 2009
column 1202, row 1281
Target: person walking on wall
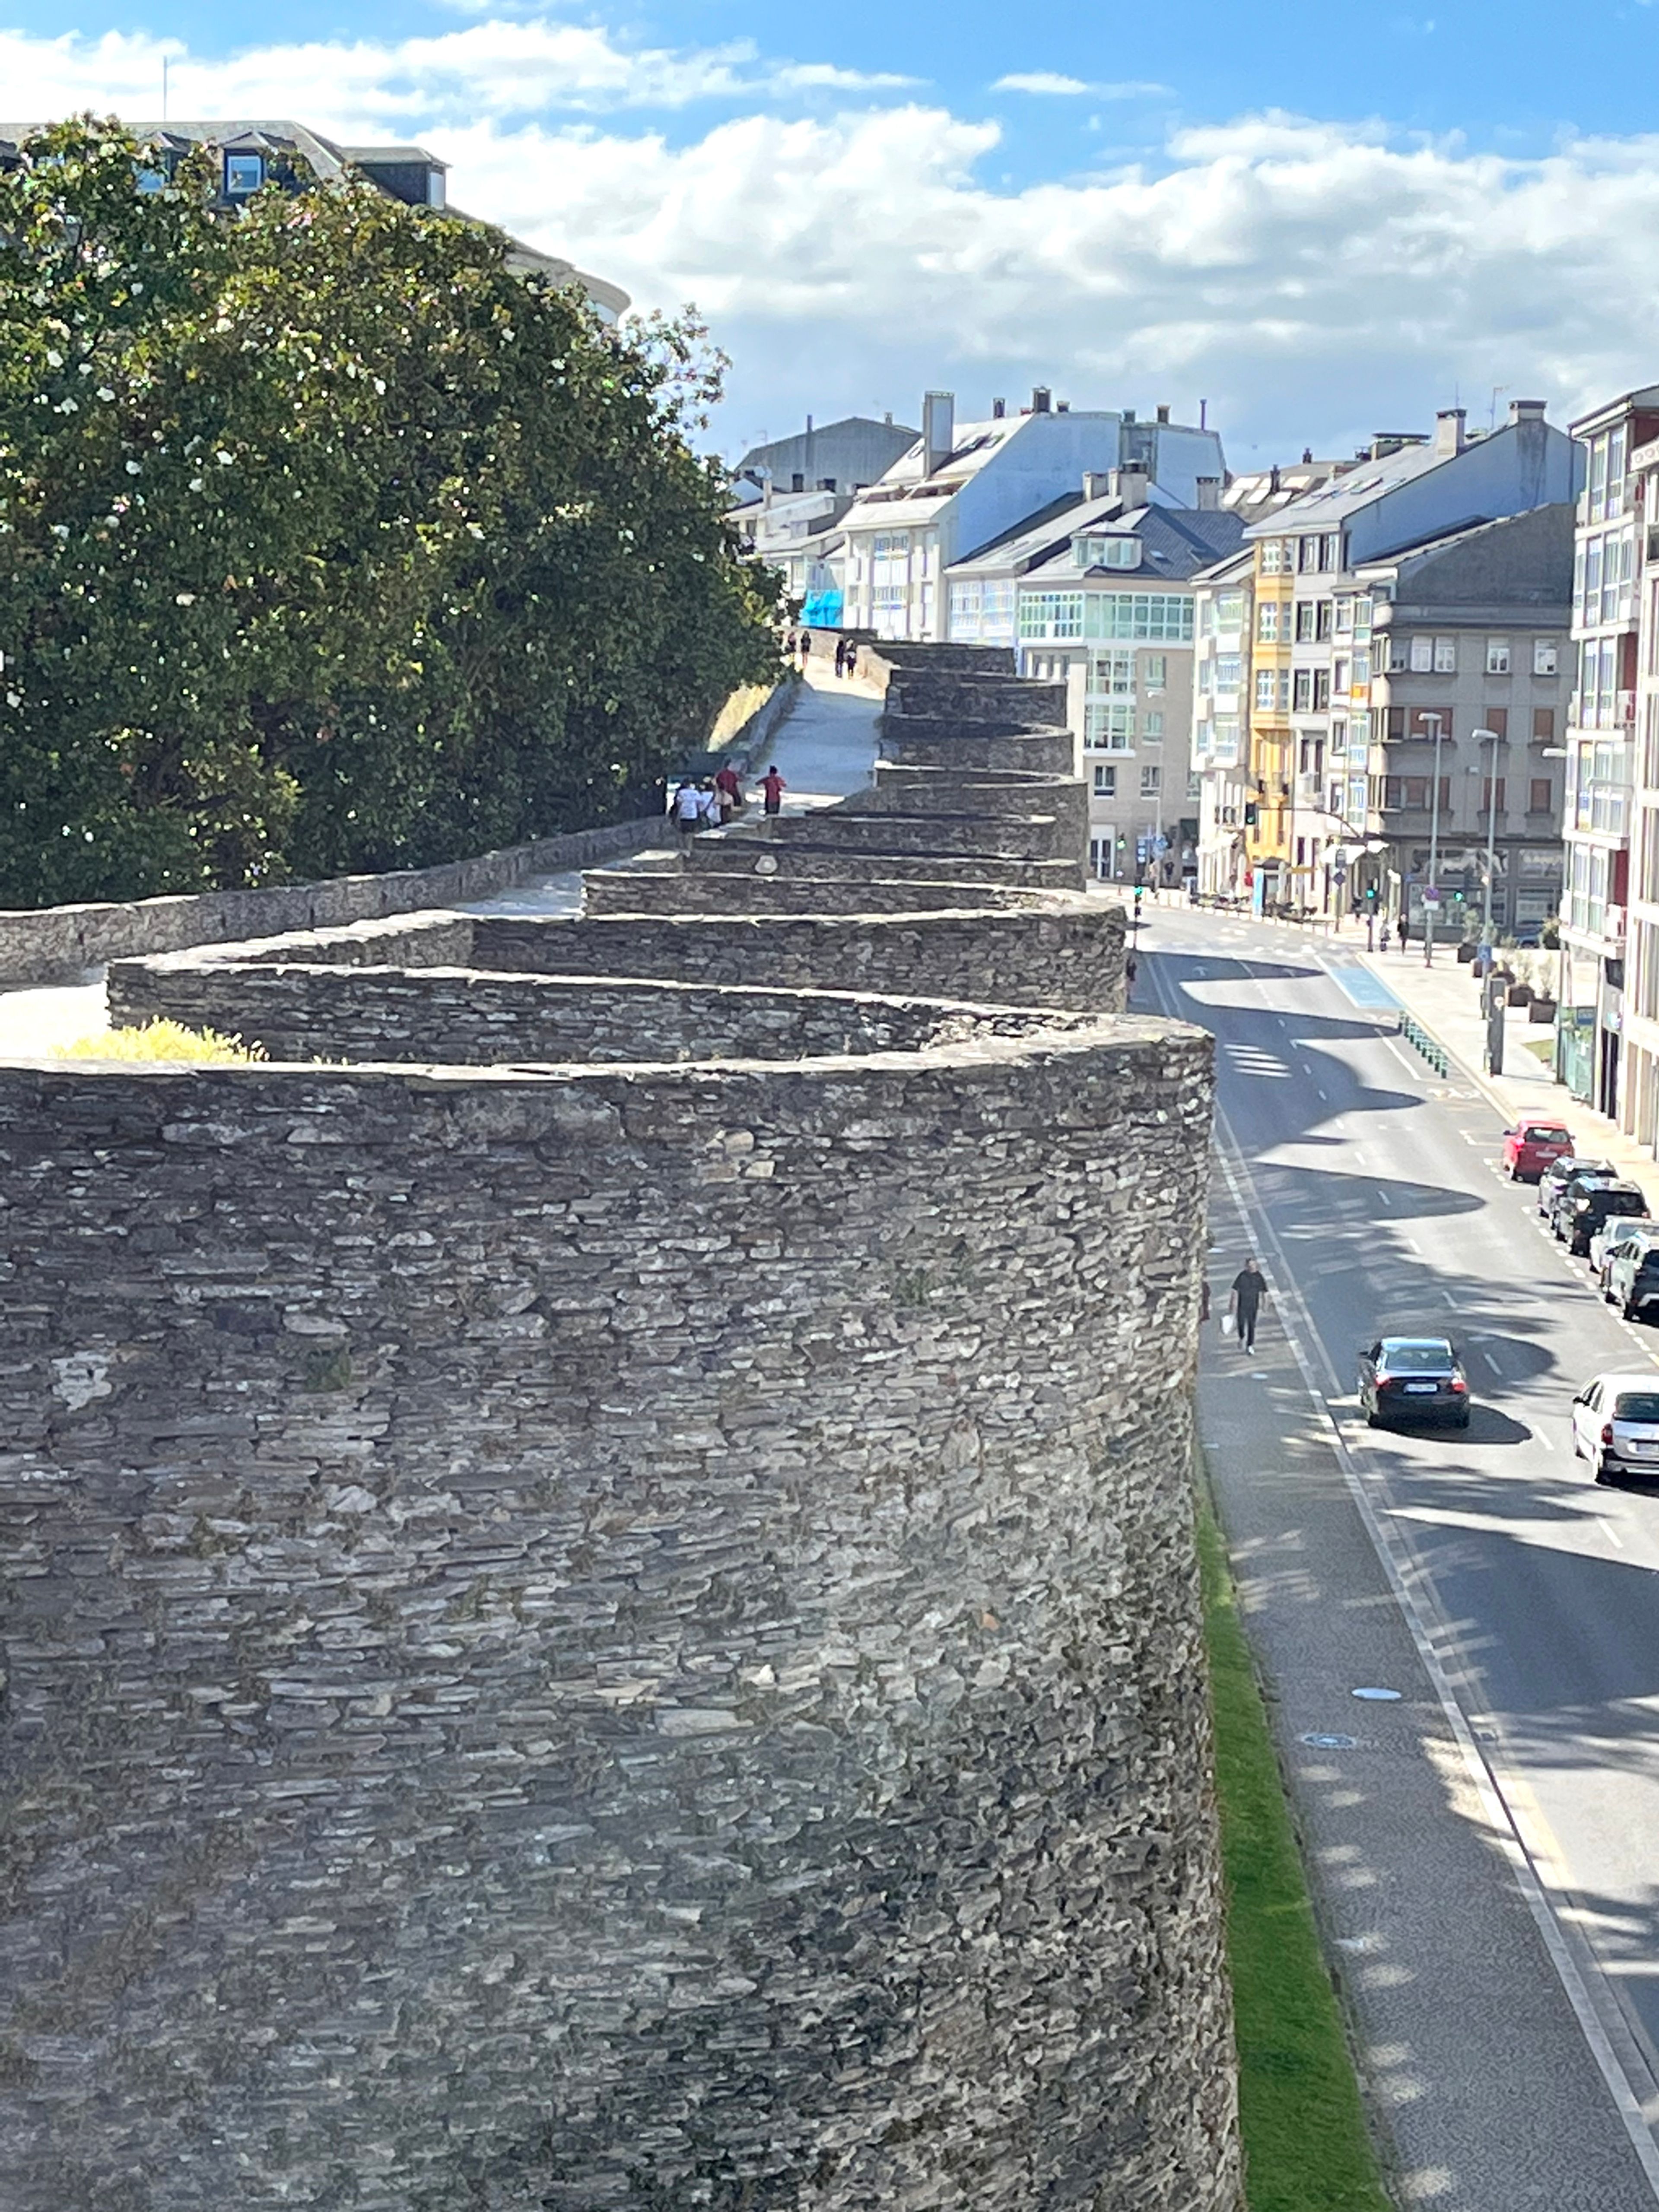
column 772, row 787
column 1250, row 1288
column 805, row 649
column 841, row 656
column 1404, row 929
column 688, row 808
column 730, row 787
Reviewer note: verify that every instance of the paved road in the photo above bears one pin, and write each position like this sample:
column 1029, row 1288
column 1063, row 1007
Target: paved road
column 1486, row 1845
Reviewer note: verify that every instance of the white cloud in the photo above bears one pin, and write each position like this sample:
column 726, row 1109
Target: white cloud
column 1313, row 281
column 1047, row 84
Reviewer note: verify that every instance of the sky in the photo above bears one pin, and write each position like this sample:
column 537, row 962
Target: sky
column 1321, row 222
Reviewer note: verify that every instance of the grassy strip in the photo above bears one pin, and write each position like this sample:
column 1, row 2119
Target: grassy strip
column 1306, row 2146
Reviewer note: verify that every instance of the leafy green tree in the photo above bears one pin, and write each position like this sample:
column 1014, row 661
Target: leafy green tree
column 329, row 541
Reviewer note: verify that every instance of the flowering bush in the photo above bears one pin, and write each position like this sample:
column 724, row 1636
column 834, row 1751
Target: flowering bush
column 329, row 541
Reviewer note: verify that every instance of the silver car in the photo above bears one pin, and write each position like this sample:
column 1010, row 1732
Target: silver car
column 1615, row 1426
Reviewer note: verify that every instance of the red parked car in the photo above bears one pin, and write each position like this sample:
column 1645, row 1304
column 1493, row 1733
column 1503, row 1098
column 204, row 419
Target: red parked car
column 1532, row 1147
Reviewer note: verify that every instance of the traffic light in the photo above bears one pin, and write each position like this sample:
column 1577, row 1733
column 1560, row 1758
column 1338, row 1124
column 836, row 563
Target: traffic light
column 1250, row 814
column 1140, row 893
column 1371, row 894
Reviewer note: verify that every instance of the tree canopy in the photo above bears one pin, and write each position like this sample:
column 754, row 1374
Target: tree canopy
column 329, row 541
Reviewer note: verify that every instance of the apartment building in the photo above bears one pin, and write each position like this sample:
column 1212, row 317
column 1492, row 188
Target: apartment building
column 248, row 155
column 1223, row 598
column 1404, row 490
column 1101, row 592
column 962, row 486
column 1607, row 919
column 1470, row 679
column 799, row 534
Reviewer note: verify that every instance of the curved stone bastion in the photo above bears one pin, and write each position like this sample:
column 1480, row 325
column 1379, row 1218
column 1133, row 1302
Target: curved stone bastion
column 602, row 1609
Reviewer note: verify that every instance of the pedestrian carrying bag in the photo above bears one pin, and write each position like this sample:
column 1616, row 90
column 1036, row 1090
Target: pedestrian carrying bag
column 1226, row 1324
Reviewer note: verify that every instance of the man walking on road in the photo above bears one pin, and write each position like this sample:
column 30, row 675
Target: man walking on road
column 1250, row 1288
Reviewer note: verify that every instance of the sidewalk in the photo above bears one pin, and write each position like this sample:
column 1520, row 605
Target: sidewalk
column 1446, row 999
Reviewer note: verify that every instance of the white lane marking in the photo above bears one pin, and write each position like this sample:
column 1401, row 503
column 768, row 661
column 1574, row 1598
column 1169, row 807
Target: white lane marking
column 1495, row 1366
column 1400, row 1569
column 1400, row 1057
column 1609, row 1532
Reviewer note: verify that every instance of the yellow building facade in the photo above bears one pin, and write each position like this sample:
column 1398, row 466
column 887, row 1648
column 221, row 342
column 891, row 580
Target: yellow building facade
column 1271, row 758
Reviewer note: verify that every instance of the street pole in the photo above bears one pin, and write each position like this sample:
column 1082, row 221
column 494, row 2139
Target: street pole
column 1491, row 834
column 1432, row 905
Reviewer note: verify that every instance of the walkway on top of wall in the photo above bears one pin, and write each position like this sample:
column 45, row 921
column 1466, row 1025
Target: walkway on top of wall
column 827, row 748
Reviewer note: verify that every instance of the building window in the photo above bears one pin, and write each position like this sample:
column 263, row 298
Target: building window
column 1539, row 799
column 1330, row 550
column 1310, row 756
column 1486, row 795
column 893, row 541
column 1394, row 654
column 1050, row 615
column 1546, row 656
column 1344, row 617
column 1424, row 719
column 1229, row 611
column 1497, row 656
column 1362, row 671
column 1138, row 618
column 1305, row 612
column 1194, row 787
column 1150, row 778
column 1112, row 675
column 1107, row 728
column 1274, row 562
column 1543, row 725
column 1445, row 656
column 1267, row 690
column 1122, row 552
column 1229, row 671
column 1155, row 668
column 1302, row 691
column 890, row 595
column 1323, row 626
column 1422, row 650
column 1341, row 673
column 1151, row 726
column 1105, row 781
column 1321, row 689
column 243, row 174
column 1307, row 555
column 1267, row 623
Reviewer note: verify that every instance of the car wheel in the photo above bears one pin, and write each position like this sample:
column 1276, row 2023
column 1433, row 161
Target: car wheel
column 1373, row 1420
column 1628, row 1311
column 1602, row 1474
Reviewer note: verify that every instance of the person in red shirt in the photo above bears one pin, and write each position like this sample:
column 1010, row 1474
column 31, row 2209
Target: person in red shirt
column 730, row 787
column 774, row 787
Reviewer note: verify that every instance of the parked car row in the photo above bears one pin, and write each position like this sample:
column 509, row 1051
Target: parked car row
column 1599, row 1214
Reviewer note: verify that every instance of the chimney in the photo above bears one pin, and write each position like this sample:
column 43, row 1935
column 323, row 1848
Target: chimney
column 1129, row 485
column 999, row 408
column 1209, row 495
column 1163, row 414
column 1527, row 410
column 1129, row 414
column 1041, row 397
column 1062, row 406
column 939, row 430
column 1096, row 483
column 1307, row 455
column 1449, row 437
column 1273, row 478
column 888, row 418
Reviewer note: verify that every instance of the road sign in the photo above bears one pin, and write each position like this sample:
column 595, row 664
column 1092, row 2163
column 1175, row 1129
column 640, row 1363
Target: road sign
column 1430, row 895
column 1339, row 873
column 1160, row 846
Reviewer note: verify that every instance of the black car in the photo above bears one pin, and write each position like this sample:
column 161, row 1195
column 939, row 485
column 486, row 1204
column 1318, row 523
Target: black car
column 1584, row 1209
column 1573, row 1188
column 1550, row 1182
column 1412, row 1378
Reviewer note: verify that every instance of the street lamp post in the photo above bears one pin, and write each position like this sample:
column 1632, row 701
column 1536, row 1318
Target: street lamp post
column 1431, row 898
column 1480, row 736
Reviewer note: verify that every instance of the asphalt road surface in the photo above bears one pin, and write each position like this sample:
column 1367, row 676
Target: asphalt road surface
column 1485, row 1841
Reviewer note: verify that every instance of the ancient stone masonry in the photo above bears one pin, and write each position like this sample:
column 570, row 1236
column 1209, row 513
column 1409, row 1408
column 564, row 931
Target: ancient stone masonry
column 608, row 1619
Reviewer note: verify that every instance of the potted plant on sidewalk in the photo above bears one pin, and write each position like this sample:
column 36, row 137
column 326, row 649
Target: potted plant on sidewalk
column 1519, row 992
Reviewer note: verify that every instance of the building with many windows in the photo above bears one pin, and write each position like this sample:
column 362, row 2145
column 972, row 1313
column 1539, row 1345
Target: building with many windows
column 963, row 486
column 1607, row 830
column 1098, row 596
column 1403, row 492
column 249, row 155
column 1223, row 598
column 1470, row 677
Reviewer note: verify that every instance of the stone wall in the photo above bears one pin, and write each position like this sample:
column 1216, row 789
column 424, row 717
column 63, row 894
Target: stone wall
column 601, row 1637
column 618, row 891
column 460, row 1017
column 1069, row 956
column 803, row 854
column 56, row 944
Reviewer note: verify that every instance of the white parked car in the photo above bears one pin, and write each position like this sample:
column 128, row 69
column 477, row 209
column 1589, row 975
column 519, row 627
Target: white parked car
column 1615, row 1426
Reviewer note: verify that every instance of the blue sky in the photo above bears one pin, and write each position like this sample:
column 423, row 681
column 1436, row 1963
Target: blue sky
column 1323, row 222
